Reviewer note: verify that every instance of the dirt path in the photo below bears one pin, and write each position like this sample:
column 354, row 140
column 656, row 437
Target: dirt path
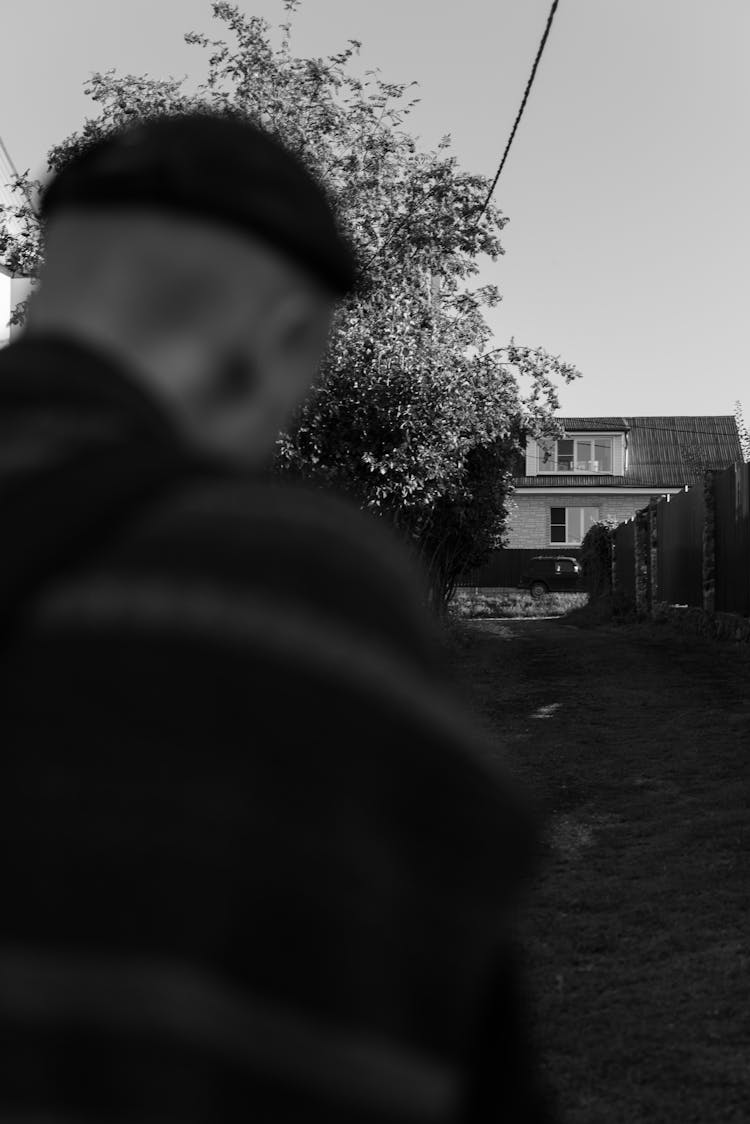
column 637, row 744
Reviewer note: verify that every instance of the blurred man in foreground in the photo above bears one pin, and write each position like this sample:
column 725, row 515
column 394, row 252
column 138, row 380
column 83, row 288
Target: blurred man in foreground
column 255, row 865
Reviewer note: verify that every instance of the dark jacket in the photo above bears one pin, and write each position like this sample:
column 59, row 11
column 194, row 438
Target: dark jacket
column 255, row 862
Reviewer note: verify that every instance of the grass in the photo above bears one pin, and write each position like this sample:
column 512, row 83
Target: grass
column 635, row 743
column 513, row 604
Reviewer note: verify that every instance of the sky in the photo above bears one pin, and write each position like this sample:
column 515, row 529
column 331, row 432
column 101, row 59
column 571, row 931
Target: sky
column 627, row 186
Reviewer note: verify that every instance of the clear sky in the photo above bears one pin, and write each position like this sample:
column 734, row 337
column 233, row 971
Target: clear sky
column 627, row 188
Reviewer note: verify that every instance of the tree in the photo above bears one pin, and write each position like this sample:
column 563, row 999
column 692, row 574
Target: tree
column 739, row 417
column 414, row 413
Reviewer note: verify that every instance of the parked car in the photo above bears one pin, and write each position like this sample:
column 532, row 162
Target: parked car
column 547, row 573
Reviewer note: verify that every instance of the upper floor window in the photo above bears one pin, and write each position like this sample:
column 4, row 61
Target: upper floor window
column 576, row 454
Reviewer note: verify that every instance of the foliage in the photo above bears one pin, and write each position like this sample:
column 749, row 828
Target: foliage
column 596, row 559
column 414, row 414
column 21, row 234
column 513, row 604
column 739, row 417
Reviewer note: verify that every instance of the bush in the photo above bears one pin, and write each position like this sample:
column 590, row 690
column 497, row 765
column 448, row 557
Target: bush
column 596, row 560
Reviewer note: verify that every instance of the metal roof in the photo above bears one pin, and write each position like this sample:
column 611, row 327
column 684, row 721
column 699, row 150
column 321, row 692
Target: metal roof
column 663, row 451
column 681, row 447
column 594, row 425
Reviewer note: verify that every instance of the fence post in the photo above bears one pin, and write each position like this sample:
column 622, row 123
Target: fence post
column 709, row 544
column 641, row 552
column 653, row 546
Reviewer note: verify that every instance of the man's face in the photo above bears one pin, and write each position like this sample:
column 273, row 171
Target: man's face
column 258, row 371
column 225, row 330
column 244, row 348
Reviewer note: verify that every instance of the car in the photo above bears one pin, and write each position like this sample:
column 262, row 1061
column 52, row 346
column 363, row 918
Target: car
column 552, row 573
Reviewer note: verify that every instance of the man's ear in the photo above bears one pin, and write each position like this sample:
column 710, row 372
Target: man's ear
column 236, row 376
column 299, row 323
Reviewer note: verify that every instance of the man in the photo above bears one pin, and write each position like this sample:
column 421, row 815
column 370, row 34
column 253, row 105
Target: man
column 255, row 862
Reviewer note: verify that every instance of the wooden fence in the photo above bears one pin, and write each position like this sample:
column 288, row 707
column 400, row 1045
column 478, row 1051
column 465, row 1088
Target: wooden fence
column 732, row 540
column 692, row 548
column 679, row 533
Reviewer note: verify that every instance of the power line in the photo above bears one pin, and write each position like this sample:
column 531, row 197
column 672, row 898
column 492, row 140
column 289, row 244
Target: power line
column 519, row 115
column 398, row 226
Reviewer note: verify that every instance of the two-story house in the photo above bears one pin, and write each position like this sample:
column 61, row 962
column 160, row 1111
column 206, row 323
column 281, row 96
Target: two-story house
column 608, row 468
column 12, row 289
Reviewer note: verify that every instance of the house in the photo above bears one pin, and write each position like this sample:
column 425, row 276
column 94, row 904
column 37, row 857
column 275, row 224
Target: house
column 12, row 289
column 609, row 468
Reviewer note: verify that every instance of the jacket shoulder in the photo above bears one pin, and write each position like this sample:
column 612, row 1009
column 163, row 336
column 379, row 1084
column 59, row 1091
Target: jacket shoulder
column 294, row 544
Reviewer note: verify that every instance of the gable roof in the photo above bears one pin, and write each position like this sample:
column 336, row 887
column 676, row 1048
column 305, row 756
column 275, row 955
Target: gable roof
column 7, row 172
column 7, row 197
column 663, row 451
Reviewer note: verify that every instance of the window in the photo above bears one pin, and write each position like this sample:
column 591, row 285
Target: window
column 570, row 524
column 557, row 528
column 547, row 455
column 576, row 454
column 594, row 455
column 565, row 455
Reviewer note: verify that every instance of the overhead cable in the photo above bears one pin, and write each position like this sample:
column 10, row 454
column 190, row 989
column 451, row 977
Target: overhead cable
column 519, row 115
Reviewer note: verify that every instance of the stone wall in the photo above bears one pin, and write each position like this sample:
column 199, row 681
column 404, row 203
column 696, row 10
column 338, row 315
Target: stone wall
column 718, row 626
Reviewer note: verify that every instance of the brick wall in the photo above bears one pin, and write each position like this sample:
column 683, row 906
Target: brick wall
column 529, row 521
